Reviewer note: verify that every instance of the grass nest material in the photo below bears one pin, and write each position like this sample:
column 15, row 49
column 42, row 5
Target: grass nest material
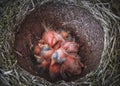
column 107, row 74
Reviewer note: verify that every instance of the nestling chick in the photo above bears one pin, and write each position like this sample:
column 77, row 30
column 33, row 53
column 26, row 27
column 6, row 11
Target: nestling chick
column 46, row 51
column 44, row 64
column 57, row 59
column 70, row 47
column 71, row 66
column 54, row 70
column 42, row 54
column 59, row 55
column 51, row 38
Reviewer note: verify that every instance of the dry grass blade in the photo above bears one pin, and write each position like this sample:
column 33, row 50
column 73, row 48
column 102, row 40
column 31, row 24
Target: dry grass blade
column 108, row 71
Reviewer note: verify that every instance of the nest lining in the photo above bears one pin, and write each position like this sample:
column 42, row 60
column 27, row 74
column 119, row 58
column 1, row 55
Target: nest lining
column 78, row 20
column 107, row 64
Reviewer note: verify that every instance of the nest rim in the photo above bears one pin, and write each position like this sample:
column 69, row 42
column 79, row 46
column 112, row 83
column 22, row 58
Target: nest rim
column 106, row 25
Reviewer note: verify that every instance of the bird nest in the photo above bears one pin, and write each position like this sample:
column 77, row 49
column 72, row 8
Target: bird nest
column 93, row 26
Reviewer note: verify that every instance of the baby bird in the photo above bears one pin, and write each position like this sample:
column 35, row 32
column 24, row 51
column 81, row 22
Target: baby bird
column 71, row 66
column 37, row 56
column 46, row 51
column 70, row 47
column 62, row 36
column 42, row 54
column 54, row 70
column 51, row 38
column 68, row 64
column 59, row 55
column 44, row 64
column 57, row 59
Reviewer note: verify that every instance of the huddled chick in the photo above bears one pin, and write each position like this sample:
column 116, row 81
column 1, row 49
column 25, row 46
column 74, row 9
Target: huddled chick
column 57, row 55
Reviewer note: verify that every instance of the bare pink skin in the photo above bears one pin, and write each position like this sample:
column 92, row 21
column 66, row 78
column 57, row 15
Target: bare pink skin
column 47, row 54
column 45, row 64
column 37, row 50
column 72, row 66
column 58, row 55
column 54, row 70
column 51, row 37
column 70, row 46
